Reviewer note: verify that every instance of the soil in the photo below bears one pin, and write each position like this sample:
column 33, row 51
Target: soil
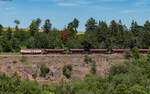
column 31, row 65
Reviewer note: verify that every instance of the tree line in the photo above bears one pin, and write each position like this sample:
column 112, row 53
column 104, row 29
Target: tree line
column 98, row 34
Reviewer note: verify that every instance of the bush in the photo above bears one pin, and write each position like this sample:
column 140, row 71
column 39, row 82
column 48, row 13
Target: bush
column 137, row 89
column 127, row 55
column 44, row 70
column 118, row 69
column 93, row 67
column 14, row 61
column 24, row 59
column 67, row 71
column 148, row 55
column 87, row 59
column 135, row 53
column 122, row 89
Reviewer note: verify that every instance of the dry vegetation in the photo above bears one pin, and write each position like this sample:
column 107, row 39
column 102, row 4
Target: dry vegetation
column 27, row 66
column 27, row 29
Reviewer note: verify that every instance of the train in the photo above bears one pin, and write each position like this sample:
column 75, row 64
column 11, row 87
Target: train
column 75, row 51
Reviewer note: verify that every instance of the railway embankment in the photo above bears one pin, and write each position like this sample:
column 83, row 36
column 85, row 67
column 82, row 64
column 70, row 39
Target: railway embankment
column 28, row 66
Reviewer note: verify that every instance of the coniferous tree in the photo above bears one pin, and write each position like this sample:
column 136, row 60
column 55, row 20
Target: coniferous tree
column 47, row 26
column 91, row 24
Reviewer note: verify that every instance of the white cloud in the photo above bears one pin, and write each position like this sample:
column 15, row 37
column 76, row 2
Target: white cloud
column 128, row 11
column 142, row 3
column 66, row 4
column 72, row 3
column 111, row 0
column 9, row 8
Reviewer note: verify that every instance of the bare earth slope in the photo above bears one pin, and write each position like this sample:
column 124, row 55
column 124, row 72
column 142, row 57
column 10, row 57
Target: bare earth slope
column 27, row 66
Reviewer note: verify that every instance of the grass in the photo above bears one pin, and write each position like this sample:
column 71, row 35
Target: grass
column 9, row 53
column 27, row 29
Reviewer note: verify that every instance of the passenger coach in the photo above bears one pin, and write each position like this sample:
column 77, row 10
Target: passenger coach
column 31, row 51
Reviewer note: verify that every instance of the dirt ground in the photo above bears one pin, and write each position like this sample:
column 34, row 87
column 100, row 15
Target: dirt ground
column 27, row 66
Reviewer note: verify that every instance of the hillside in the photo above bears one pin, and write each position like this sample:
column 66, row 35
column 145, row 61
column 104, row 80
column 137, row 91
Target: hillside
column 26, row 66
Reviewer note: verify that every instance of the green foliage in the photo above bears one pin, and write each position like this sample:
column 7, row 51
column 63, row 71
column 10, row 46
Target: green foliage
column 44, row 70
column 34, row 26
column 127, row 55
column 47, row 26
column 118, row 69
column 137, row 89
column 87, row 59
column 98, row 35
column 91, row 24
column 67, row 69
column 124, row 78
column 93, row 67
column 24, row 59
column 5, row 45
column 72, row 28
column 122, row 89
column 135, row 53
column 148, row 55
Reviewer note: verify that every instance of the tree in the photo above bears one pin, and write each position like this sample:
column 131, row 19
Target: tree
column 72, row 27
column 54, row 39
column 41, row 40
column 1, row 29
column 91, row 25
column 102, row 31
column 47, row 26
column 17, row 22
column 147, row 26
column 5, row 45
column 134, row 28
column 9, row 33
column 34, row 26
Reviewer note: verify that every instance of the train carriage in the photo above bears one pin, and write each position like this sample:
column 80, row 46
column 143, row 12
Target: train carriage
column 143, row 50
column 98, row 50
column 31, row 51
column 77, row 51
column 120, row 50
column 48, row 51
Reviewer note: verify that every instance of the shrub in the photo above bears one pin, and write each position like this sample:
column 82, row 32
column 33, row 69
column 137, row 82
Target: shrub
column 121, row 89
column 44, row 70
column 93, row 67
column 135, row 53
column 137, row 89
column 118, row 69
column 67, row 71
column 127, row 55
column 14, row 61
column 34, row 75
column 87, row 59
column 23, row 59
column 148, row 55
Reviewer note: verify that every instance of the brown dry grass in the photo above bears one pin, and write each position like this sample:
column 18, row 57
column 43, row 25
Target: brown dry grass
column 27, row 29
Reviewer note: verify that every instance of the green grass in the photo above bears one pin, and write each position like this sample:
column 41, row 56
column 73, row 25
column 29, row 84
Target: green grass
column 9, row 53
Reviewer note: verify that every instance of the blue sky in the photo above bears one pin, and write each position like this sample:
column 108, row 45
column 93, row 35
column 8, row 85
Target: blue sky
column 61, row 12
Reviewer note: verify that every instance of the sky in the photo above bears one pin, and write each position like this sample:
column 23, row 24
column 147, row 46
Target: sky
column 61, row 12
